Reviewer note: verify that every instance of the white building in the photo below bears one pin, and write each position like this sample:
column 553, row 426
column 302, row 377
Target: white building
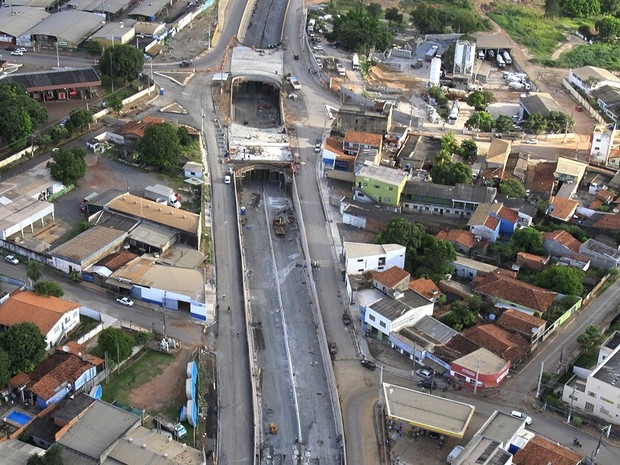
column 360, row 257
column 589, row 78
column 602, row 142
column 53, row 316
column 599, row 393
column 391, row 314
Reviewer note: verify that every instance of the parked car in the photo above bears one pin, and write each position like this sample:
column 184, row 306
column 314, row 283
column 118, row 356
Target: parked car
column 370, row 365
column 11, row 259
column 346, row 318
column 317, row 145
column 318, row 48
column 18, row 53
column 227, row 179
column 427, row 384
column 425, row 373
column 531, row 141
column 126, row 301
column 22, row 49
column 333, row 348
column 522, row 416
column 185, row 64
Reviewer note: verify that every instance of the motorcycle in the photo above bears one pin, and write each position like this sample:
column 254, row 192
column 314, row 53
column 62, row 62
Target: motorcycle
column 577, row 442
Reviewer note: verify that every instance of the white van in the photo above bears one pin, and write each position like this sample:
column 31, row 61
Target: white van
column 481, row 54
column 454, row 454
column 227, row 179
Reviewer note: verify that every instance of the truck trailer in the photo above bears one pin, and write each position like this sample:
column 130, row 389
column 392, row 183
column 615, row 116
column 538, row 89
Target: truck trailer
column 356, row 61
column 431, row 53
column 177, row 429
column 507, row 58
column 162, row 194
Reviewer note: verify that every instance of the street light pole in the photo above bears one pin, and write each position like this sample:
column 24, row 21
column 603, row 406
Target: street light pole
column 57, row 56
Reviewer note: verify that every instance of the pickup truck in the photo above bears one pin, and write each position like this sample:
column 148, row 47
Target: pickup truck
column 294, row 82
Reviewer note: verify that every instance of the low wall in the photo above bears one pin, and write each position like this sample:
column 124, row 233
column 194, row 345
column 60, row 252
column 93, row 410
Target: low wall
column 582, row 102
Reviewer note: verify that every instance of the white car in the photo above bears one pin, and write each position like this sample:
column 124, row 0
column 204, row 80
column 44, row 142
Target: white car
column 18, row 53
column 425, row 373
column 531, row 141
column 126, row 301
column 318, row 48
column 11, row 259
column 227, row 179
column 22, row 49
column 522, row 416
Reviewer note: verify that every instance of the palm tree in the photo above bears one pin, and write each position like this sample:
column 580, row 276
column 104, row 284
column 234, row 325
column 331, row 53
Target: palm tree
column 34, row 271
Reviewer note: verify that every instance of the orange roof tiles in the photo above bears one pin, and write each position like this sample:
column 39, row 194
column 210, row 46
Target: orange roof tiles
column 59, row 368
column 543, row 178
column 117, row 259
column 509, row 346
column 363, row 138
column 508, row 214
column 563, row 209
column 460, row 236
column 391, row 277
column 564, row 238
column 335, row 145
column 425, row 287
column 26, row 306
column 137, row 128
column 607, row 221
column 491, row 222
column 515, row 291
column 539, row 450
column 519, row 321
column 532, row 261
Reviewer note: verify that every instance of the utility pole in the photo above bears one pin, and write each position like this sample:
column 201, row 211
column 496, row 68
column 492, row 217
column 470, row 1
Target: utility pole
column 604, row 432
column 542, row 366
column 477, row 375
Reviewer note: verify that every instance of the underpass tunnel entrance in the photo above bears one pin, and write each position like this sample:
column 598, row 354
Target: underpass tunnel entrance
column 267, row 175
column 256, row 103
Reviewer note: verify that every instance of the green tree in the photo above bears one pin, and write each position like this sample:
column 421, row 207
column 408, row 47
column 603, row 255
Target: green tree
column 610, row 7
column 536, row 122
column 92, row 48
column 469, row 150
column 459, row 317
column 527, row 240
column 580, row 8
column 429, row 19
column 359, row 30
column 591, row 339
column 68, row 166
column 562, row 279
column 481, row 120
column 58, row 133
column 433, row 260
column 160, row 146
column 25, row 346
column 48, row 289
column 374, row 10
column 480, row 99
column 559, row 121
column 79, row 119
column 512, row 188
column 122, row 62
column 20, row 115
column 116, row 342
column 403, row 232
column 5, row 368
column 553, row 9
column 503, row 123
column 393, row 15
column 34, row 271
column 184, row 137
column 53, row 456
column 608, row 28
column 115, row 102
column 450, row 174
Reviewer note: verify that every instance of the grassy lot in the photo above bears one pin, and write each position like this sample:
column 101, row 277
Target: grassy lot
column 146, row 365
column 527, row 26
column 605, row 56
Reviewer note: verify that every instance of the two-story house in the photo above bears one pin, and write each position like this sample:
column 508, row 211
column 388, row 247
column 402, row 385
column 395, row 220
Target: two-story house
column 355, row 141
column 490, row 220
column 380, row 184
column 589, row 78
column 360, row 257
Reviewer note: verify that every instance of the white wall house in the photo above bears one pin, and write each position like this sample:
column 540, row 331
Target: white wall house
column 390, row 314
column 589, row 78
column 599, row 393
column 360, row 257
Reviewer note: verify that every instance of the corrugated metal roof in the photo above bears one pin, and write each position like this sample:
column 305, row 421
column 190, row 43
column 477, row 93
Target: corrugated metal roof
column 16, row 21
column 72, row 26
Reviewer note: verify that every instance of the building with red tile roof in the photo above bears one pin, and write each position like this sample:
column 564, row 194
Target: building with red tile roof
column 528, row 326
column 53, row 316
column 492, row 219
column 426, row 288
column 510, row 347
column 532, row 261
column 57, row 376
column 462, row 240
column 560, row 243
column 542, row 180
column 509, row 292
column 392, row 279
column 135, row 129
column 541, row 451
column 355, row 140
column 562, row 209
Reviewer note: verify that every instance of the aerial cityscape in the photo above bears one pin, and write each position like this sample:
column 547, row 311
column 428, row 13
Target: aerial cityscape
column 307, row 232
